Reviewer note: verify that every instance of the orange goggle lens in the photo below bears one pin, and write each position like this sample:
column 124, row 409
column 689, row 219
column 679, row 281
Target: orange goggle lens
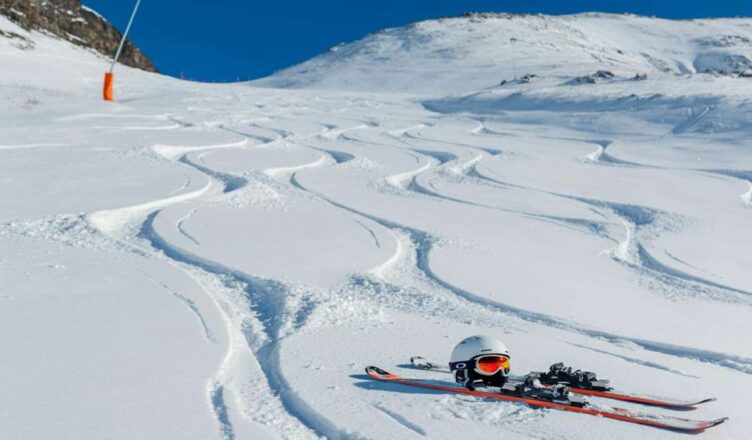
column 492, row 364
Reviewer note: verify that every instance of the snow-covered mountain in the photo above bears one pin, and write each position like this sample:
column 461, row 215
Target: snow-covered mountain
column 221, row 261
column 594, row 64
column 478, row 51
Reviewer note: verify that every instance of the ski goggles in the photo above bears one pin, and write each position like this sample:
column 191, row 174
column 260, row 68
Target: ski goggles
column 491, row 364
column 486, row 365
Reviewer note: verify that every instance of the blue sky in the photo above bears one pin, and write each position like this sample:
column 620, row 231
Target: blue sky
column 227, row 40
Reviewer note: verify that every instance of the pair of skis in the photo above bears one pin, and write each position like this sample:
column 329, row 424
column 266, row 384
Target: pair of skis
column 597, row 388
column 573, row 405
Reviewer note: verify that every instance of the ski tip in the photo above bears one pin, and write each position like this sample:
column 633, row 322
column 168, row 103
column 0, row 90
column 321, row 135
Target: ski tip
column 377, row 373
column 716, row 422
column 417, row 359
column 374, row 370
column 692, row 405
column 702, row 426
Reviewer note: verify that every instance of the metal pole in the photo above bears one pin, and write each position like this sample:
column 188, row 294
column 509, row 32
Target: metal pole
column 125, row 34
column 514, row 58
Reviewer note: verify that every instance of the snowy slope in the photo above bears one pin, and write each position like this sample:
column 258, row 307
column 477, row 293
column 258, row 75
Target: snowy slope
column 221, row 261
column 479, row 51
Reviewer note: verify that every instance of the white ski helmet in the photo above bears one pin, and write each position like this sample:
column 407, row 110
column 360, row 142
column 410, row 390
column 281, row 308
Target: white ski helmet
column 482, row 359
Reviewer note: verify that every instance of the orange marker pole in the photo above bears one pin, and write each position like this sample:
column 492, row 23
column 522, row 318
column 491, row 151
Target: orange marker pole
column 109, row 79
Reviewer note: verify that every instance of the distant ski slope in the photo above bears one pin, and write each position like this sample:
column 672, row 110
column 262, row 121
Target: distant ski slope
column 476, row 52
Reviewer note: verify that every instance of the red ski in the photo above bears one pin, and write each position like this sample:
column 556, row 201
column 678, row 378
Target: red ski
column 654, row 420
column 664, row 402
column 644, row 400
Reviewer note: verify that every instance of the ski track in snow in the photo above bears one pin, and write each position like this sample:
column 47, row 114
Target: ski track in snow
column 467, row 171
column 189, row 303
column 267, row 297
column 270, row 310
column 182, row 229
column 29, row 146
column 182, row 187
column 334, row 133
column 692, row 120
column 632, row 252
column 632, row 217
column 400, row 180
column 602, row 157
column 173, row 151
column 401, row 420
column 370, row 231
column 423, row 243
column 339, row 157
column 219, row 406
column 629, row 250
column 282, row 172
column 230, row 182
column 112, row 220
column 637, row 361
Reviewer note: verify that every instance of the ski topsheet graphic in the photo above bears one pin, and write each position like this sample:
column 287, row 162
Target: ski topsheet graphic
column 655, row 420
column 665, row 402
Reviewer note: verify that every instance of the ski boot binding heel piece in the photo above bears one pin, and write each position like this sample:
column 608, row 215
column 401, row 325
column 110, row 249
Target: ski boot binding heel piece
column 558, row 393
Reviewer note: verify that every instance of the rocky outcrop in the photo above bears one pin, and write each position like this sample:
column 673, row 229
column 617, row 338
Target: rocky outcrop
column 79, row 25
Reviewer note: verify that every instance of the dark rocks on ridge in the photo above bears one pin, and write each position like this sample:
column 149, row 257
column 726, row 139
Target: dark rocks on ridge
column 70, row 21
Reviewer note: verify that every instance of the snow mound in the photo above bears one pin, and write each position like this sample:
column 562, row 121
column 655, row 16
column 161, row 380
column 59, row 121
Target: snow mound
column 722, row 63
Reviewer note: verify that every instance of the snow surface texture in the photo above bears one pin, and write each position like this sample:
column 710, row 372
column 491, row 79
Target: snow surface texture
column 221, row 261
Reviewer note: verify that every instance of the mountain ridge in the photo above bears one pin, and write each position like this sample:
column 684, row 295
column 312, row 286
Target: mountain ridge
column 75, row 23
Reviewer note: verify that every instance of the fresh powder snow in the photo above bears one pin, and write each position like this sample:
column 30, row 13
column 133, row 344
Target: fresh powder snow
column 204, row 261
